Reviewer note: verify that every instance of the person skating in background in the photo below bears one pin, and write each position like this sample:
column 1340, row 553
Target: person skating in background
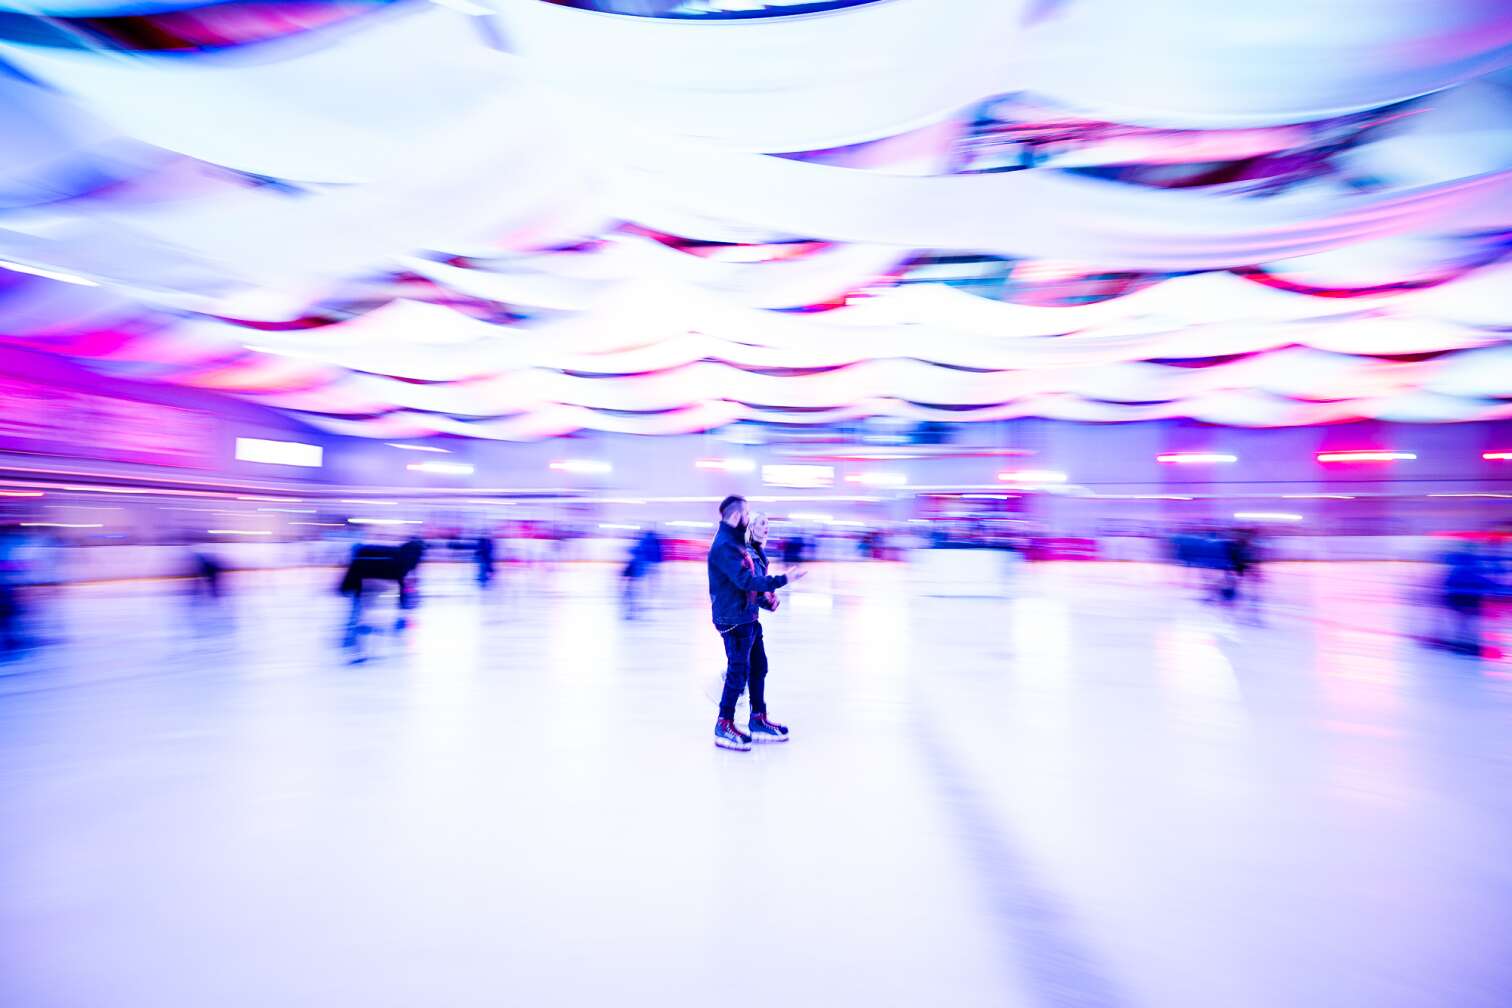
column 1245, row 557
column 12, row 577
column 208, row 573
column 645, row 558
column 483, row 557
column 735, row 590
column 1464, row 590
column 409, row 555
column 792, row 548
column 380, row 563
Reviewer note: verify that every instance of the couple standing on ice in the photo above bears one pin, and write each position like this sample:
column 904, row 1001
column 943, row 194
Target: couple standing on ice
column 739, row 588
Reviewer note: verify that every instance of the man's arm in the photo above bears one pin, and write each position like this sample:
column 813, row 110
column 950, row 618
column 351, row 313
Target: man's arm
column 727, row 560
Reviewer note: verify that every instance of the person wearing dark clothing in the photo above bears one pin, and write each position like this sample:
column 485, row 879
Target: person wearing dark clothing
column 1466, row 586
column 1244, row 560
column 408, row 556
column 378, row 563
column 12, row 577
column 645, row 557
column 208, row 570
column 483, row 556
column 736, row 590
column 792, row 549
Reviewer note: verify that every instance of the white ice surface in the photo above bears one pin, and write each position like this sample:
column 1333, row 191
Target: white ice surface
column 1082, row 788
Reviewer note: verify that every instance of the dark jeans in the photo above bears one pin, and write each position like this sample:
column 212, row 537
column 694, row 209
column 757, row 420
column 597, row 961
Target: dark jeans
column 747, row 664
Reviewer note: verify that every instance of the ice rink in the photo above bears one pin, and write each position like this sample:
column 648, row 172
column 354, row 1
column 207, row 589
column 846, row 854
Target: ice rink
column 1081, row 786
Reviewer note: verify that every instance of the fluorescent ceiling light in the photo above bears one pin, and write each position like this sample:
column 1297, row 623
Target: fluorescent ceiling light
column 585, row 466
column 293, row 453
column 417, row 447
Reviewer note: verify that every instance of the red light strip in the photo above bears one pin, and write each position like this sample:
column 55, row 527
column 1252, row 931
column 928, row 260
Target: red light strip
column 1196, row 458
column 1366, row 456
column 1497, row 456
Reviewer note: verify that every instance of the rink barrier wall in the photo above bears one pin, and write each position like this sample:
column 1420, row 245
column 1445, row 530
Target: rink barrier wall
column 959, row 567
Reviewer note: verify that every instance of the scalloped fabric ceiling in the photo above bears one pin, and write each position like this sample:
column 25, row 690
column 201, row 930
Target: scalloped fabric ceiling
column 513, row 219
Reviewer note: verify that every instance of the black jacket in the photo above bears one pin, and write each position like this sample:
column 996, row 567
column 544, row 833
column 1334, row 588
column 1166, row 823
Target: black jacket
column 380, row 563
column 734, row 585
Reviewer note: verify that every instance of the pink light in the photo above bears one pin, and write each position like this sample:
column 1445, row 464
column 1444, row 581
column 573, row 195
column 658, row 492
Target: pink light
column 1497, row 456
column 1196, row 458
column 1366, row 456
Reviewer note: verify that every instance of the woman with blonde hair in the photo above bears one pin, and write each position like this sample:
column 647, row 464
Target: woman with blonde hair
column 757, row 532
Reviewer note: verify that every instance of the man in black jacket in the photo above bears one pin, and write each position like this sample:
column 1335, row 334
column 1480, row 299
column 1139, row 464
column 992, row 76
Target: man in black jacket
column 375, row 562
column 735, row 591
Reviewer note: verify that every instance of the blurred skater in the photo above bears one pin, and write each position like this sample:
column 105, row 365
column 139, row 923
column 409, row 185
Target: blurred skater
column 1243, row 547
column 370, row 568
column 1466, row 586
column 12, row 577
column 208, row 574
column 407, row 569
column 483, row 557
column 206, row 591
column 645, row 560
